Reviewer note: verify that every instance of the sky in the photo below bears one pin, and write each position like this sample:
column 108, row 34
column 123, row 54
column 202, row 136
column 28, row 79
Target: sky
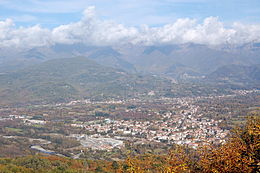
column 109, row 22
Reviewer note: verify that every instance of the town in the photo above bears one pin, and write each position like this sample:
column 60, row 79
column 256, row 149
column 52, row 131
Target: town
column 109, row 125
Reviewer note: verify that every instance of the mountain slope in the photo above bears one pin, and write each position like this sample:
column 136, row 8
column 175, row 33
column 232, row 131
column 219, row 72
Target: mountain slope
column 194, row 58
column 237, row 75
column 62, row 80
column 174, row 61
column 110, row 57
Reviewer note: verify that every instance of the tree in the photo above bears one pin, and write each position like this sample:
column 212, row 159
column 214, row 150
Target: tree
column 239, row 154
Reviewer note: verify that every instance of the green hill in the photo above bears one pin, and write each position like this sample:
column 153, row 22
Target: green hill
column 62, row 80
column 237, row 76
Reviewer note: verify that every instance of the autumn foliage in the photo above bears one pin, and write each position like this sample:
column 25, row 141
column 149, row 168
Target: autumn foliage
column 239, row 154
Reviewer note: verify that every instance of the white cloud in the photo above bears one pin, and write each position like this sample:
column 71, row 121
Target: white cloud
column 211, row 32
column 5, row 28
column 23, row 37
column 89, row 13
column 246, row 33
column 93, row 31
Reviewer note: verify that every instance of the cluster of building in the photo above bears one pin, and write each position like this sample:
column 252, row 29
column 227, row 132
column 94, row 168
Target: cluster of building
column 173, row 120
column 187, row 127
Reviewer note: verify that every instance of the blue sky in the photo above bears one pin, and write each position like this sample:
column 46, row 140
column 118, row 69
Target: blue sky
column 52, row 13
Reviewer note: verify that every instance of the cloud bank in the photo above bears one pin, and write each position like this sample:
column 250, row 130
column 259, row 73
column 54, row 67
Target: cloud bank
column 93, row 31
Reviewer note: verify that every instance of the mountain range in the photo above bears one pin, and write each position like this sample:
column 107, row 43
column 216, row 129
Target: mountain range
column 170, row 60
column 62, row 72
column 63, row 80
column 236, row 76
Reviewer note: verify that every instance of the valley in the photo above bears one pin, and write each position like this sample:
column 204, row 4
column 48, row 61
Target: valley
column 107, row 129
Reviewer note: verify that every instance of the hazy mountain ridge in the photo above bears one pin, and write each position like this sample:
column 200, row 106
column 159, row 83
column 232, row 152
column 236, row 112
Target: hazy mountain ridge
column 12, row 60
column 62, row 80
column 197, row 59
column 237, row 75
